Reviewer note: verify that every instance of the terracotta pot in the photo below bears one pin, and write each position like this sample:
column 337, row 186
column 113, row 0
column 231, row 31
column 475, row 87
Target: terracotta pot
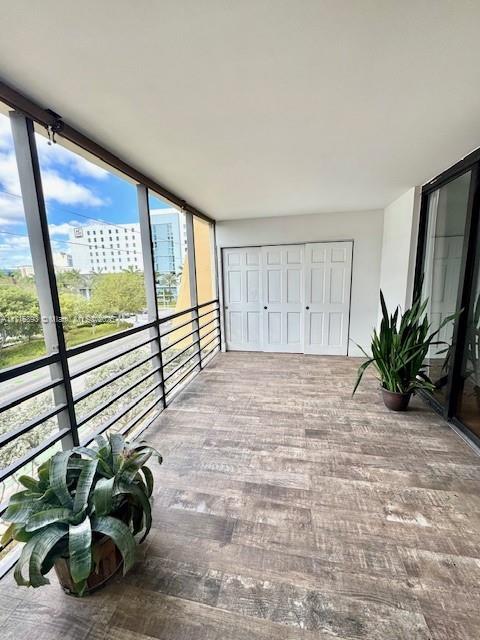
column 396, row 401
column 107, row 562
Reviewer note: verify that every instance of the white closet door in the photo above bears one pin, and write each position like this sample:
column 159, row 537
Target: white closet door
column 328, row 267
column 243, row 298
column 283, row 308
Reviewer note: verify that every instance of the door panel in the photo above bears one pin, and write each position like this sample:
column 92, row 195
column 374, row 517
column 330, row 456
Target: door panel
column 267, row 290
column 328, row 267
column 243, row 299
column 283, row 276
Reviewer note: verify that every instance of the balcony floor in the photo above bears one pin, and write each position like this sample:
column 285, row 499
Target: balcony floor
column 286, row 509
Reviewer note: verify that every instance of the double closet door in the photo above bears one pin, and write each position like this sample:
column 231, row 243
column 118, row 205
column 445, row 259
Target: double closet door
column 288, row 298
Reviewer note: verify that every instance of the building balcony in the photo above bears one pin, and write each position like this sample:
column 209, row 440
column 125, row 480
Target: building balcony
column 287, row 509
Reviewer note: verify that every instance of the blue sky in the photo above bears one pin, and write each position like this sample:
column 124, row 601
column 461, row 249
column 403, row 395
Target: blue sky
column 77, row 192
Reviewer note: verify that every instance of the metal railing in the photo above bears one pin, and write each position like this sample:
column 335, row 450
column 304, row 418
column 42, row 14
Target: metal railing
column 179, row 345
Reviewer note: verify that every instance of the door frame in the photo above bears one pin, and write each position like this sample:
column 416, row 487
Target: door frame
column 221, row 280
column 469, row 254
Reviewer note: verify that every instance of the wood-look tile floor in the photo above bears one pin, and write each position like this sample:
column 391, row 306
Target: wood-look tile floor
column 286, row 509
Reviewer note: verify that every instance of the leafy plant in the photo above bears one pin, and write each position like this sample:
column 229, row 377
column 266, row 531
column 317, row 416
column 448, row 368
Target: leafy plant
column 80, row 496
column 472, row 355
column 400, row 347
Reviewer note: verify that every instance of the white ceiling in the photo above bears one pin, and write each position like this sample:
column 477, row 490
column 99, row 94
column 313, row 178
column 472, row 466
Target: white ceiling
column 259, row 107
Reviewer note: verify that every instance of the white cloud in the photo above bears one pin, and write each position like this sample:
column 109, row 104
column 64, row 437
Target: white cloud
column 11, row 209
column 57, row 187
column 67, row 191
column 14, row 251
column 55, row 154
column 64, row 228
column 9, row 173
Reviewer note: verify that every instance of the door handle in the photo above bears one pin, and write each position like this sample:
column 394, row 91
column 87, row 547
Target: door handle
column 226, row 307
column 265, row 307
column 307, row 308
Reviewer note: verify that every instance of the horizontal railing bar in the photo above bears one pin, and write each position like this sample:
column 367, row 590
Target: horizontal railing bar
column 28, row 367
column 205, row 304
column 191, row 370
column 202, row 315
column 116, row 376
column 209, row 333
column 202, row 326
column 101, row 342
column 15, row 466
column 213, row 340
column 116, row 397
column 31, row 394
column 8, row 561
column 209, row 356
column 180, row 326
column 189, row 310
column 176, row 315
column 169, row 346
column 148, row 424
column 180, row 353
column 82, row 372
column 123, row 412
column 128, row 427
column 31, row 424
column 182, row 365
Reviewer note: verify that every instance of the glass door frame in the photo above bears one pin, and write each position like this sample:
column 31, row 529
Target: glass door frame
column 467, row 269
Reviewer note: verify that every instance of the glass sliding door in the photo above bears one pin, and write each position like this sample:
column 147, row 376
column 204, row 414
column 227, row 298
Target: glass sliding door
column 444, row 245
column 468, row 406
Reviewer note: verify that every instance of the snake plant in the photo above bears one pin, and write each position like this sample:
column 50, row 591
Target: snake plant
column 400, row 347
column 78, row 495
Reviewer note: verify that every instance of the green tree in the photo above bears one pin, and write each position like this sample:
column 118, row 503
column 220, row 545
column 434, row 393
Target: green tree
column 168, row 283
column 70, row 280
column 74, row 308
column 118, row 293
column 19, row 313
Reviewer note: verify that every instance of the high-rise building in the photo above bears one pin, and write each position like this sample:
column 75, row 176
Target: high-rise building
column 106, row 248
column 111, row 248
column 169, row 240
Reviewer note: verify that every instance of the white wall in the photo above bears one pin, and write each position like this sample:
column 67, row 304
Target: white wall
column 365, row 228
column 399, row 245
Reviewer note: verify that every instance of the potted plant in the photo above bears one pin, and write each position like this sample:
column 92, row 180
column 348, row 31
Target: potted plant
column 399, row 350
column 82, row 513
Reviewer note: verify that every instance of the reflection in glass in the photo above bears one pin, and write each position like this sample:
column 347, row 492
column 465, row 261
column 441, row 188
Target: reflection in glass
column 469, row 403
column 95, row 237
column 447, row 211
column 21, row 336
column 169, row 238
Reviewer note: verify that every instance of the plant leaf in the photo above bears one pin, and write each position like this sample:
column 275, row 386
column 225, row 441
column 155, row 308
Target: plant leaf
column 140, row 497
column 24, row 560
column 43, row 543
column 58, row 477
column 7, row 535
column 148, row 479
column 103, row 496
column 44, row 518
column 117, row 442
column 28, row 482
column 20, row 511
column 80, row 550
column 84, row 485
column 121, row 536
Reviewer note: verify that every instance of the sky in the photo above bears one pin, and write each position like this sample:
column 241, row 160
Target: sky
column 77, row 193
